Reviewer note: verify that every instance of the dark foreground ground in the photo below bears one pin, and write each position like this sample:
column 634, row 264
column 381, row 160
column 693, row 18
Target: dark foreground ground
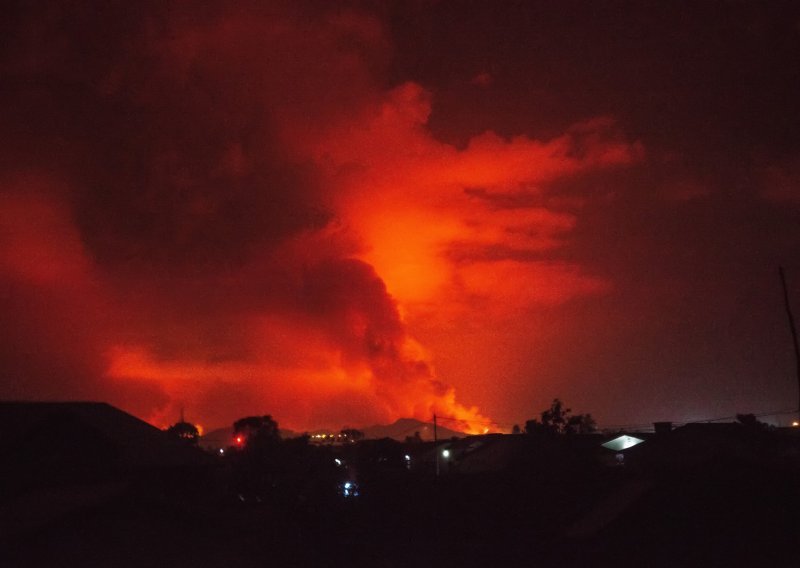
column 715, row 514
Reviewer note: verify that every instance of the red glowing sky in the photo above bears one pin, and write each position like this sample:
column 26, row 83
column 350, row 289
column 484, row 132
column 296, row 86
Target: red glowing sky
column 342, row 215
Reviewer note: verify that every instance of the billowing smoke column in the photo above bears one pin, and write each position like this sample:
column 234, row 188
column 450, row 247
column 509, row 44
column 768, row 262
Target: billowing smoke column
column 226, row 210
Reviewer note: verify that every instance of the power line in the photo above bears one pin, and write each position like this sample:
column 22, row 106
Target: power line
column 760, row 415
column 640, row 426
column 649, row 426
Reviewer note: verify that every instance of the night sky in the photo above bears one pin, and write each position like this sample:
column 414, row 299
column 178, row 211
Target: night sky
column 343, row 213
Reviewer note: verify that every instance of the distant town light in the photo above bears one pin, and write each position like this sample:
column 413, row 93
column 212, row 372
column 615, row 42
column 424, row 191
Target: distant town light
column 239, row 440
column 795, row 423
column 445, row 454
column 338, row 461
column 407, row 457
column 221, row 452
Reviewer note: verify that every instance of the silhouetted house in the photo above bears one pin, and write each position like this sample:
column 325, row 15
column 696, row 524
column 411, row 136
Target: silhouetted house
column 499, row 452
column 704, row 494
column 487, row 453
column 60, row 456
column 471, row 454
column 699, row 444
column 87, row 436
column 788, row 445
column 662, row 427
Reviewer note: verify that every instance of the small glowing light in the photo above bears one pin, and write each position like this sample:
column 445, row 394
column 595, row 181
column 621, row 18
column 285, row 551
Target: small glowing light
column 221, row 451
column 622, row 443
column 407, row 457
column 795, row 423
column 445, row 454
column 338, row 461
column 485, row 430
column 349, row 489
column 239, row 440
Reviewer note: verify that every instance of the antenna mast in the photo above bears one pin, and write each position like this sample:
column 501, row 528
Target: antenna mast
column 794, row 332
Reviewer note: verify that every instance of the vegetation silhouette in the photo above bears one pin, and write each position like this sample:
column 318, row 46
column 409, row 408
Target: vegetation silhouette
column 266, row 468
column 558, row 420
column 751, row 422
column 185, row 431
column 257, row 430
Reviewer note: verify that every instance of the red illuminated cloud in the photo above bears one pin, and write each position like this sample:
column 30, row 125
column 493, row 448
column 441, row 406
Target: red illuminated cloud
column 40, row 244
column 437, row 222
column 256, row 223
column 59, row 315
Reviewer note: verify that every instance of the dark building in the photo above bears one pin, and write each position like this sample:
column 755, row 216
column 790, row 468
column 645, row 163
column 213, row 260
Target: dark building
column 59, row 457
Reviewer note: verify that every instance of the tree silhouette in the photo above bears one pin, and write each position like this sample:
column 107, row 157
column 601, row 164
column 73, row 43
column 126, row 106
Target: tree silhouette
column 751, row 421
column 581, row 424
column 185, row 431
column 557, row 420
column 257, row 466
column 281, row 472
column 253, row 431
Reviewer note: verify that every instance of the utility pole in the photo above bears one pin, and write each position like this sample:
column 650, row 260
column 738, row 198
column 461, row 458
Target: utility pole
column 436, row 445
column 794, row 333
